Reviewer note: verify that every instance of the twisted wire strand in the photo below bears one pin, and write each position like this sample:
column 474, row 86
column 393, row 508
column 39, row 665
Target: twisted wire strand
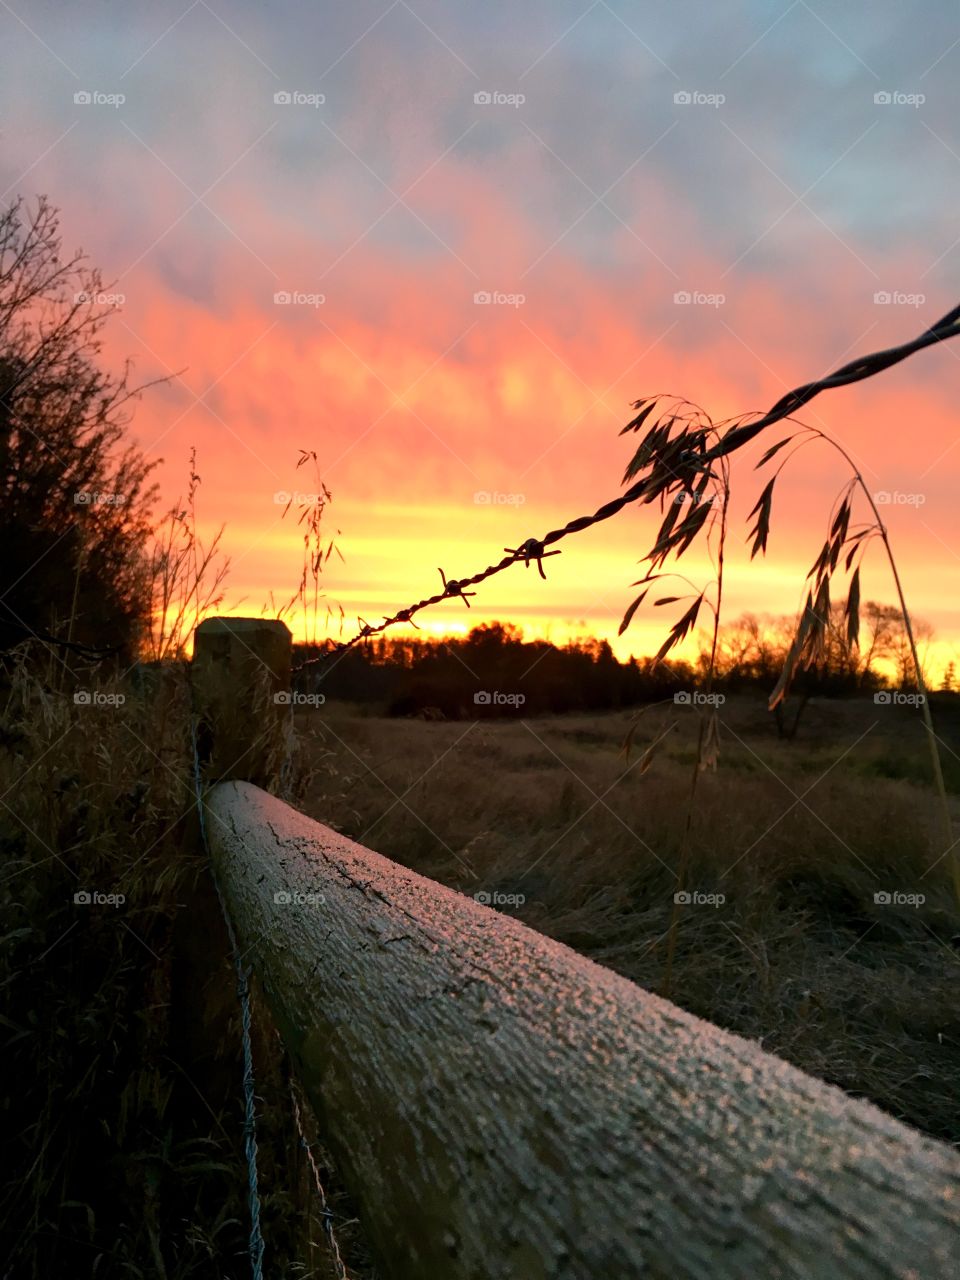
column 326, row 1213
column 534, row 550
column 256, row 1245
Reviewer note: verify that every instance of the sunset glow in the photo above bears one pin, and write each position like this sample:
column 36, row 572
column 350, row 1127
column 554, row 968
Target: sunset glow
column 479, row 774
column 308, row 275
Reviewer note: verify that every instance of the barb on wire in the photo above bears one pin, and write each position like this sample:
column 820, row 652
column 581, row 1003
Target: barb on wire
column 532, row 550
column 454, row 588
column 664, row 460
column 326, row 1213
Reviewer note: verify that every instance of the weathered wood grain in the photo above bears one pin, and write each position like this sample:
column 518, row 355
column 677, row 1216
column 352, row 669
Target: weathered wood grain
column 504, row 1109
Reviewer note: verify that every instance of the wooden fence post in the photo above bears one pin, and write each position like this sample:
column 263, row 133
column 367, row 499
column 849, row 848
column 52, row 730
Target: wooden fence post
column 504, row 1109
column 241, row 672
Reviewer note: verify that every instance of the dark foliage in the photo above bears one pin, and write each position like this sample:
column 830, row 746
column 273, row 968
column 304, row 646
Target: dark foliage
column 481, row 675
column 485, row 673
column 74, row 495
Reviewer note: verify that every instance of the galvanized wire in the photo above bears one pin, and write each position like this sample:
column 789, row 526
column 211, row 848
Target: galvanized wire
column 326, row 1214
column 534, row 550
column 256, row 1246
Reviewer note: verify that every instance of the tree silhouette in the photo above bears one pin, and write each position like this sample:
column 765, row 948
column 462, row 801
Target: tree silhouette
column 75, row 506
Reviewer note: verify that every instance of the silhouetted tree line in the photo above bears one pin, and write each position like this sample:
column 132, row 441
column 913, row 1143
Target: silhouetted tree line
column 489, row 671
column 486, row 673
column 752, row 650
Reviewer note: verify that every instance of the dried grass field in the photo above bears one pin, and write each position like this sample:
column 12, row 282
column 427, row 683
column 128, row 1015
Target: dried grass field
column 784, row 939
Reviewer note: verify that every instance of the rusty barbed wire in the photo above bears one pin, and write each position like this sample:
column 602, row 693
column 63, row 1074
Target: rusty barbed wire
column 533, row 550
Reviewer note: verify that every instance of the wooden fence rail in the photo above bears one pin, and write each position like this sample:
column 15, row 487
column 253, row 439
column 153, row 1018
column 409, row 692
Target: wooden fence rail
column 503, row 1109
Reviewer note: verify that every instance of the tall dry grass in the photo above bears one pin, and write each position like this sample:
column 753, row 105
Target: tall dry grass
column 799, row 956
column 122, row 1105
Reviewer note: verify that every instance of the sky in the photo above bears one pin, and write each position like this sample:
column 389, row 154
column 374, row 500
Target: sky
column 446, row 245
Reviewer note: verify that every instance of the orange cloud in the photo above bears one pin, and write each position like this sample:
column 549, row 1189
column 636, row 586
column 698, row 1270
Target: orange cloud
column 416, row 399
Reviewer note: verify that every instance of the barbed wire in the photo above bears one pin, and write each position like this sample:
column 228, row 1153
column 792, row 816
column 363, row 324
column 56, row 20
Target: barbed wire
column 533, row 550
column 326, row 1214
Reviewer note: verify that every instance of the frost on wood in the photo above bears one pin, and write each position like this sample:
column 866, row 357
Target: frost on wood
column 504, row 1109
